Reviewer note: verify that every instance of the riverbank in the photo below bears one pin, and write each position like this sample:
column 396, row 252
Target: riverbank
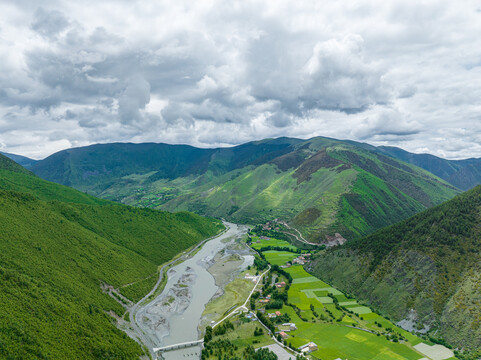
column 173, row 315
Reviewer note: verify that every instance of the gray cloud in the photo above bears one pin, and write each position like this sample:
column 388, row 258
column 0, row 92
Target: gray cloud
column 133, row 99
column 49, row 23
column 208, row 74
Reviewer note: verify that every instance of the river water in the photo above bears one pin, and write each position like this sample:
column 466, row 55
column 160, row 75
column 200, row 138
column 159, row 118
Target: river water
column 173, row 317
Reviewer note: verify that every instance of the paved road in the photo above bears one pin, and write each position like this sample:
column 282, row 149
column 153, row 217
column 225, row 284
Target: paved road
column 135, row 308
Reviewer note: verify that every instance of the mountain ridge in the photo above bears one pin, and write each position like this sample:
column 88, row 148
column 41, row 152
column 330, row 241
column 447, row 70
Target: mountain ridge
column 353, row 189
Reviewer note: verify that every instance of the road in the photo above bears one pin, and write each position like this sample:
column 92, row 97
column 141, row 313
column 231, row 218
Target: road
column 134, row 309
column 300, row 237
column 244, row 306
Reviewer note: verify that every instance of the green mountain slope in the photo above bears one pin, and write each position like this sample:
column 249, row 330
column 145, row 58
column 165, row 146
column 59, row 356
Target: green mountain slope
column 55, row 255
column 464, row 174
column 322, row 186
column 430, row 263
column 21, row 160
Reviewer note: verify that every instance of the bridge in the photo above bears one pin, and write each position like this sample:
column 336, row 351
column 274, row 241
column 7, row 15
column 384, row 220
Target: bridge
column 178, row 346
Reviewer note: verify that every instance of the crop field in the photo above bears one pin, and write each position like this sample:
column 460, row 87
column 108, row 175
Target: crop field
column 279, row 257
column 338, row 339
column 339, row 325
column 271, row 242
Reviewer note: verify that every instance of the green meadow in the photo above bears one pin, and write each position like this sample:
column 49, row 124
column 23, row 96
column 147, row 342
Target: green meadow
column 258, row 243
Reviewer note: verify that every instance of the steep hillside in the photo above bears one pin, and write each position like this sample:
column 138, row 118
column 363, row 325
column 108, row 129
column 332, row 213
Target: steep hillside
column 55, row 255
column 21, row 160
column 96, row 167
column 464, row 174
column 430, row 263
column 322, row 186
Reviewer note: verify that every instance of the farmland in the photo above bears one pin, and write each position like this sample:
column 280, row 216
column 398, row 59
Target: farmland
column 339, row 325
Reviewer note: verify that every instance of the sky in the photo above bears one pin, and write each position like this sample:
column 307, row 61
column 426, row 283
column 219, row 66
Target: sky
column 220, row 73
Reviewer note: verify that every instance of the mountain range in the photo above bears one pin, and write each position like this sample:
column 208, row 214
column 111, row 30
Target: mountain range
column 322, row 186
column 413, row 251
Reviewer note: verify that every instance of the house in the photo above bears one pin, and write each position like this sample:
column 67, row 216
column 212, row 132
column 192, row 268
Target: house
column 278, row 313
column 298, row 261
column 308, row 348
column 291, row 326
column 253, row 278
column 283, row 335
column 271, row 315
column 264, row 301
column 281, row 284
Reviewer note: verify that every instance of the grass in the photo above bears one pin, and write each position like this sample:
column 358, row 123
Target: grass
column 258, row 243
column 54, row 255
column 235, row 293
column 335, row 339
column 279, row 257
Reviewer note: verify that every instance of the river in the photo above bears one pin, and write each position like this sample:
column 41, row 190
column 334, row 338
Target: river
column 173, row 316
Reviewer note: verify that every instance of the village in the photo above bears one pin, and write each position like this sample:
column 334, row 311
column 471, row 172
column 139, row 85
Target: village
column 297, row 315
column 281, row 329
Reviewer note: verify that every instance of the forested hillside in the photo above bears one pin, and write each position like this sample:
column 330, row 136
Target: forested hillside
column 464, row 174
column 321, row 186
column 430, row 263
column 55, row 255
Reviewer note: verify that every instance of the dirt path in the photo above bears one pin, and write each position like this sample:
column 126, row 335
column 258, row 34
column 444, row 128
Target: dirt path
column 300, row 237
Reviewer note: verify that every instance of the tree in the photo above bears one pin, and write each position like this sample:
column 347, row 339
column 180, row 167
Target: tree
column 208, row 334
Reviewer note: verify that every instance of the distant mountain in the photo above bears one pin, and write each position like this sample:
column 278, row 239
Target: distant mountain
column 322, row 186
column 19, row 159
column 428, row 266
column 464, row 174
column 58, row 246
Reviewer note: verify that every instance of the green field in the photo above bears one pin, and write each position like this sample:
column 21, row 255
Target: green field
column 258, row 243
column 279, row 257
column 339, row 325
column 337, row 340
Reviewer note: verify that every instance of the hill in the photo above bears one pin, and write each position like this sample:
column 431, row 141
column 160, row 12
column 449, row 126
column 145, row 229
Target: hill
column 21, row 160
column 322, row 186
column 427, row 267
column 55, row 255
column 464, row 174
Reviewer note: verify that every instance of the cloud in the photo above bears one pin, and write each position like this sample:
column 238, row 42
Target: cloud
column 220, row 73
column 133, row 99
column 49, row 23
column 386, row 123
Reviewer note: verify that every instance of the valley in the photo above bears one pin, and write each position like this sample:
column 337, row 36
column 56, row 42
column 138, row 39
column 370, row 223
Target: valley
column 150, row 274
column 312, row 312
column 240, row 180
